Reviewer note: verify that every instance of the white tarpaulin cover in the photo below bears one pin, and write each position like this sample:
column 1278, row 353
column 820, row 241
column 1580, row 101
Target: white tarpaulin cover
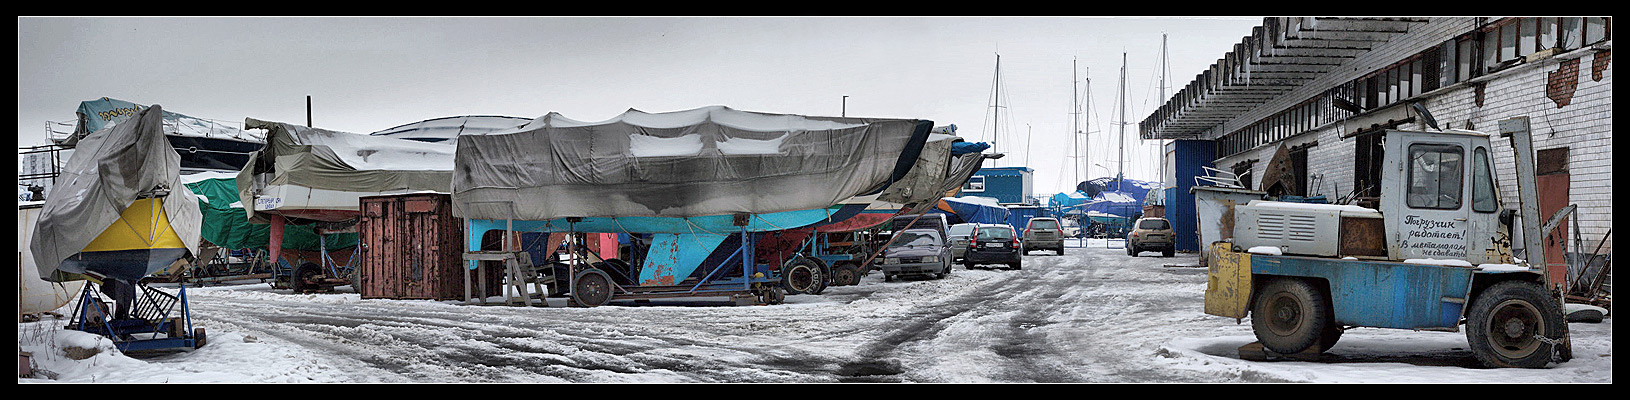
column 105, row 175
column 706, row 161
column 343, row 161
column 449, row 128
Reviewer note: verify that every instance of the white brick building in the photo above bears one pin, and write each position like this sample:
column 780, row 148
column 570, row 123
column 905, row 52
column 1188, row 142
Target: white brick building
column 1308, row 84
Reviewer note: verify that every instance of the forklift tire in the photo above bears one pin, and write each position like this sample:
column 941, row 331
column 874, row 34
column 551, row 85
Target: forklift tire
column 591, row 288
column 1289, row 315
column 198, row 338
column 1505, row 318
column 802, row 276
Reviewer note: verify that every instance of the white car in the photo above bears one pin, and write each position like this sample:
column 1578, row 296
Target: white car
column 1071, row 229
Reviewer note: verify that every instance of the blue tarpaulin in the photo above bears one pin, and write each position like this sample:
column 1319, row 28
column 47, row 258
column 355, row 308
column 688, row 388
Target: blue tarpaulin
column 1125, row 201
column 972, row 209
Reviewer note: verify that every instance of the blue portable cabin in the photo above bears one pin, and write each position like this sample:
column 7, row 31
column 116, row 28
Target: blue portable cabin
column 1009, row 185
column 1019, row 216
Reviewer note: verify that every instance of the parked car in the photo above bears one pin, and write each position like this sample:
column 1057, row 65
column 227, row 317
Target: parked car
column 993, row 244
column 1043, row 233
column 959, row 236
column 917, row 251
column 1150, row 234
column 1071, row 228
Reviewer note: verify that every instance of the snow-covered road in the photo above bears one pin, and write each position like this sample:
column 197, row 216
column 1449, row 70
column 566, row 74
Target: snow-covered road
column 1091, row 315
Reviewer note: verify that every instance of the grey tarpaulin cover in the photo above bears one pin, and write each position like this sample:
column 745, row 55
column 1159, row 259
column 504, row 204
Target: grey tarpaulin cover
column 935, row 173
column 706, row 161
column 105, row 175
column 325, row 159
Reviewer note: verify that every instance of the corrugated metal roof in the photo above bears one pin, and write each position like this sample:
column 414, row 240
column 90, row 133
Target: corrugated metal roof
column 1281, row 55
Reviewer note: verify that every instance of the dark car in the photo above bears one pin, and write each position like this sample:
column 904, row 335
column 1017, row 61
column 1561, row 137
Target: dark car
column 993, row 244
column 916, row 252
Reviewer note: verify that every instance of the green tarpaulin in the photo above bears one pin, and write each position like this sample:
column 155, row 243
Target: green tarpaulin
column 226, row 226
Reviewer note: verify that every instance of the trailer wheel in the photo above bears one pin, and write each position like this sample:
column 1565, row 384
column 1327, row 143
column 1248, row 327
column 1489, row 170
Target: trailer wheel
column 846, row 275
column 198, row 338
column 591, row 288
column 302, row 280
column 1289, row 315
column 802, row 276
column 1507, row 322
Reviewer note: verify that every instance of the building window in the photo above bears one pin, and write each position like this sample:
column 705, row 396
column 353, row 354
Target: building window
column 976, row 184
column 1571, row 35
column 1598, row 29
column 1434, row 176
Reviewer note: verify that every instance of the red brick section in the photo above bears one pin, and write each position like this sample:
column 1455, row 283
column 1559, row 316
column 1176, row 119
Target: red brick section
column 1599, row 64
column 1559, row 85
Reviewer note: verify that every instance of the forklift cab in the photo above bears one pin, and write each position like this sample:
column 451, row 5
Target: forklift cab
column 1447, row 206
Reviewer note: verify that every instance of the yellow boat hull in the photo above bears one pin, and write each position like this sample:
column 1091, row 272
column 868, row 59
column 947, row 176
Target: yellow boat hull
column 140, row 241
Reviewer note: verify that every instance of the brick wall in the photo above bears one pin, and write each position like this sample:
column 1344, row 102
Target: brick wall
column 1567, row 98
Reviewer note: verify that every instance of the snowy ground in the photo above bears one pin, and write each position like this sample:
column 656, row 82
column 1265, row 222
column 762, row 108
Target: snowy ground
column 1091, row 315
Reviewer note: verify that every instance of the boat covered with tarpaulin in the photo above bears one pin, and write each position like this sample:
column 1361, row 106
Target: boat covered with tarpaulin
column 121, row 210
column 318, row 174
column 696, row 167
column 688, row 178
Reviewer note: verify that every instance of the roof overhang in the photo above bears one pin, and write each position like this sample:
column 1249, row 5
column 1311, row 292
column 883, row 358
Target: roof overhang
column 1280, row 56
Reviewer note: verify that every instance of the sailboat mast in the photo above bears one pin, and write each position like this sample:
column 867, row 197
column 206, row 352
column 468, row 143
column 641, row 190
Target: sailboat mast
column 996, row 102
column 1075, row 124
column 1164, row 68
column 1120, row 162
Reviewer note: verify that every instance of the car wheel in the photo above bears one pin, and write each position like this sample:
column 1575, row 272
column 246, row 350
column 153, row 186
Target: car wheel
column 1015, row 266
column 1169, row 252
column 1132, row 250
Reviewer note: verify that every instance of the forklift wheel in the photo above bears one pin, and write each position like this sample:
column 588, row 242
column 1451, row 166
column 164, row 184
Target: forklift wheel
column 1290, row 315
column 1515, row 324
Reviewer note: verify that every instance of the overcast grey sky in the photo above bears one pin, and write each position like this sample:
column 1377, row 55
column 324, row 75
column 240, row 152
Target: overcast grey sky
column 368, row 74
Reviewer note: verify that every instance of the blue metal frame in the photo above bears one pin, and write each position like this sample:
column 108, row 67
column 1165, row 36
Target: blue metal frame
column 1382, row 294
column 114, row 329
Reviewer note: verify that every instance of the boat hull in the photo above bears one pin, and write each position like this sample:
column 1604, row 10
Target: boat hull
column 140, row 240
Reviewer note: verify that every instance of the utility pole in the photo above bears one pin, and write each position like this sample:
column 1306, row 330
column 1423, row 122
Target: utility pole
column 845, row 112
column 308, row 110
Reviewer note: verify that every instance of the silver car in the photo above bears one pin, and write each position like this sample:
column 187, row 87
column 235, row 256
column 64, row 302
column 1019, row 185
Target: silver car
column 916, row 252
column 960, row 234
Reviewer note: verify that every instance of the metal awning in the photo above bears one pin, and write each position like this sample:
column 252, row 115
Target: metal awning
column 1280, row 56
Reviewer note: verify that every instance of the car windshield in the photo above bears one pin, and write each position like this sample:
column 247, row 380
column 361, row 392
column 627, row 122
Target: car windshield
column 995, row 234
column 1152, row 224
column 962, row 229
column 915, row 238
column 1043, row 224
